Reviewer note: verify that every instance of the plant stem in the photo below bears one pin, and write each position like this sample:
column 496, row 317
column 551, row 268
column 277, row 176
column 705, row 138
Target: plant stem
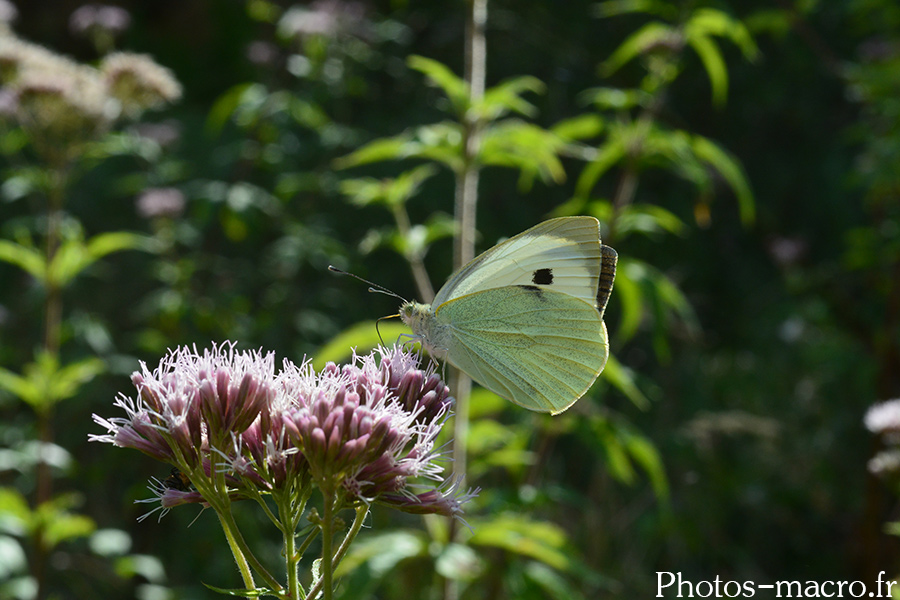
column 466, row 202
column 289, row 519
column 51, row 344
column 361, row 511
column 416, row 265
column 243, row 555
column 327, row 536
column 234, row 542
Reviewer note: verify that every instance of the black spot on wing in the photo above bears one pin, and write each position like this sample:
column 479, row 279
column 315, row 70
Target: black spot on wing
column 542, row 277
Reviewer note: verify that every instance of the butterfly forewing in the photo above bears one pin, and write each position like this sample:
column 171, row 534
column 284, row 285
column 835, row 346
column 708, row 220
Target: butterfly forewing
column 561, row 254
column 540, row 348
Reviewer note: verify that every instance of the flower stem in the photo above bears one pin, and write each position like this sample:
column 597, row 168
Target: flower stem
column 327, row 535
column 243, row 556
column 361, row 511
column 289, row 518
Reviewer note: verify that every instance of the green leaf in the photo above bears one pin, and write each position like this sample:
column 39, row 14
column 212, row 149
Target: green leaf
column 149, row 567
column 613, row 8
column 382, row 552
column 627, row 288
column 550, row 582
column 714, row 64
column 44, row 382
column 609, row 98
column 532, row 150
column 648, row 36
column 506, row 97
column 362, row 336
column 243, row 95
column 27, row 259
column 645, row 454
column 12, row 558
column 647, row 219
column 731, row 170
column 60, row 526
column 622, row 378
column 440, row 75
column 19, row 386
column 579, row 128
column 392, row 148
column 542, row 541
column 15, row 514
column 441, row 142
column 242, row 593
column 390, row 192
column 459, row 563
column 709, row 21
column 74, row 255
column 608, row 155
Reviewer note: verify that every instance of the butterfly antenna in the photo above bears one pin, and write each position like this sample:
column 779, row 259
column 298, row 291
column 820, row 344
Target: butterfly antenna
column 378, row 321
column 373, row 287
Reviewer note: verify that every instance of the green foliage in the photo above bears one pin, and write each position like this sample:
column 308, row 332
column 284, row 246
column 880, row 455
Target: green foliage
column 752, row 321
column 45, row 382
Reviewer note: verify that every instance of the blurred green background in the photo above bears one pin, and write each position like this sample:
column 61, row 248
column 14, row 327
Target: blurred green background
column 744, row 158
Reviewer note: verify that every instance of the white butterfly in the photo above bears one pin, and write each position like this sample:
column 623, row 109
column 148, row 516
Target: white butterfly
column 525, row 318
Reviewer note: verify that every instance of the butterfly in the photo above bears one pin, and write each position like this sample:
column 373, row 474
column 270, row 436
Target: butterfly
column 525, row 318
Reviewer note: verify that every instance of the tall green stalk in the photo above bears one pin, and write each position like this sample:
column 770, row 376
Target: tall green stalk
column 465, row 212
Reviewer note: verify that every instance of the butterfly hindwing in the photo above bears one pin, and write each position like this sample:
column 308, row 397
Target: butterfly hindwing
column 538, row 347
column 609, row 258
column 561, row 254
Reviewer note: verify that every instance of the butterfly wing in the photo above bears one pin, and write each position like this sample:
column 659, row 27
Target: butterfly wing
column 539, row 348
column 561, row 254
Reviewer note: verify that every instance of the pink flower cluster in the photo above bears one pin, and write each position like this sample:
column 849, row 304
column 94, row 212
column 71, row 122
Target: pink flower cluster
column 365, row 430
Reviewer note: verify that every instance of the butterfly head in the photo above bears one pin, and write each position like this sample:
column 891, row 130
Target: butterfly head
column 416, row 316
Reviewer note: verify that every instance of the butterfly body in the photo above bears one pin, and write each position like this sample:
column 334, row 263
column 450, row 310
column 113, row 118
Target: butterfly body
column 525, row 318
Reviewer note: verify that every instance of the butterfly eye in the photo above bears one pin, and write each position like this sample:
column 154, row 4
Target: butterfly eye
column 542, row 277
